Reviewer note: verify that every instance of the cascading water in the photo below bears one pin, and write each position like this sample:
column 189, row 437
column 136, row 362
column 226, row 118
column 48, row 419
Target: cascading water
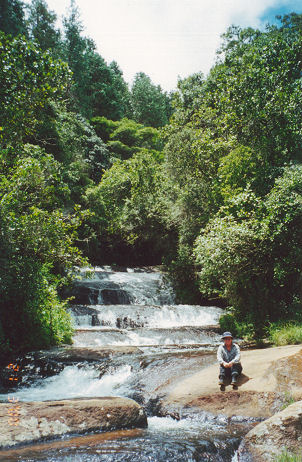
column 135, row 308
column 151, row 318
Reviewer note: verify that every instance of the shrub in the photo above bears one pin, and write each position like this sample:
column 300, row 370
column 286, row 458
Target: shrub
column 228, row 322
column 286, row 334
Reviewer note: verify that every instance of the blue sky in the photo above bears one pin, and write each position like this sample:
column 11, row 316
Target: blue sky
column 168, row 39
column 281, row 8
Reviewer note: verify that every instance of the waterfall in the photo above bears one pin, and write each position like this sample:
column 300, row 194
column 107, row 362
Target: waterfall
column 136, row 308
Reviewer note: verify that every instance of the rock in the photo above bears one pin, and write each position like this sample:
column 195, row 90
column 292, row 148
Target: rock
column 271, row 437
column 27, row 369
column 75, row 354
column 22, row 422
column 95, row 320
column 263, row 387
column 84, row 295
column 115, row 297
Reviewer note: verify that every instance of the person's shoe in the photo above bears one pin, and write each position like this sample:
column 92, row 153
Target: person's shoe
column 222, row 387
column 234, row 382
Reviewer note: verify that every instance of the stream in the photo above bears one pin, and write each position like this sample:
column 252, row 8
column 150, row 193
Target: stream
column 156, row 342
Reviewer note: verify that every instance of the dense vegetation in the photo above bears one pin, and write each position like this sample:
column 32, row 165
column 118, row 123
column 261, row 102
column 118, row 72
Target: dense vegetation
column 207, row 181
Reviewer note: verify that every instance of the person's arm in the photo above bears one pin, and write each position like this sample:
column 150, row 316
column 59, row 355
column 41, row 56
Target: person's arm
column 219, row 356
column 236, row 360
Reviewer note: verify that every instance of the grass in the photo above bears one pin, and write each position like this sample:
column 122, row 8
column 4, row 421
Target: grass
column 285, row 334
column 286, row 456
column 288, row 400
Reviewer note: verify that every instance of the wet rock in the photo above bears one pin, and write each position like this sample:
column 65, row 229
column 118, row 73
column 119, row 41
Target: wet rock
column 271, row 437
column 28, row 422
column 95, row 320
column 115, row 297
column 84, row 295
column 82, row 310
column 27, row 369
column 127, row 322
column 76, row 354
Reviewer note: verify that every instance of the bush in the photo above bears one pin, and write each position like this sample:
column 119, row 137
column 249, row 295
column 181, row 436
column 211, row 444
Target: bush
column 239, row 329
column 103, row 127
column 286, row 334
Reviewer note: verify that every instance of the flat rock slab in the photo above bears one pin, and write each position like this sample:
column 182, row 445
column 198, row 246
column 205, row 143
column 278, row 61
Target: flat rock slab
column 94, row 354
column 22, row 422
column 268, row 439
column 262, row 386
column 69, row 354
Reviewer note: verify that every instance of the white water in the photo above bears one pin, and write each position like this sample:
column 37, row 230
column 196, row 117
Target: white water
column 73, row 382
column 145, row 337
column 153, row 319
column 142, row 287
column 166, row 316
column 163, row 323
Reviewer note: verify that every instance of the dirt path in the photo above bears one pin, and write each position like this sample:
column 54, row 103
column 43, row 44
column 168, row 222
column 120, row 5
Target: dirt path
column 270, row 377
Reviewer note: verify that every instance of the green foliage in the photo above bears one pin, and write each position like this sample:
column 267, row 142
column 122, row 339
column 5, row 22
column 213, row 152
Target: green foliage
column 129, row 137
column 287, row 400
column 41, row 24
column 73, row 141
column 103, row 127
column 256, row 88
column 98, row 89
column 150, row 105
column 255, row 262
column 37, row 318
column 285, row 334
column 125, row 137
column 120, row 150
column 12, row 19
column 28, row 79
column 37, row 243
column 288, row 456
column 180, row 269
column 228, row 322
column 127, row 207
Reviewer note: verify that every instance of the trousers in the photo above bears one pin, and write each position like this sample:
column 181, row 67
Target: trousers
column 229, row 372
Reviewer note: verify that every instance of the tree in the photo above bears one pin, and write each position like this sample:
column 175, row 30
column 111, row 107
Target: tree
column 12, row 20
column 99, row 89
column 128, row 211
column 37, row 246
column 150, row 105
column 28, row 80
column 250, row 253
column 41, row 24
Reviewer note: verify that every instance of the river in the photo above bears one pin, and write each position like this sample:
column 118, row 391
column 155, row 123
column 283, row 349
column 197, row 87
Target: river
column 122, row 309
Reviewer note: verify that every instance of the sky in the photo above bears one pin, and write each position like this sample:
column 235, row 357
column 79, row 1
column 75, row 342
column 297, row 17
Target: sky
column 168, row 39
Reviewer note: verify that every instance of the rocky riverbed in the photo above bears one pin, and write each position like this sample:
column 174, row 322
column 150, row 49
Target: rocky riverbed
column 162, row 356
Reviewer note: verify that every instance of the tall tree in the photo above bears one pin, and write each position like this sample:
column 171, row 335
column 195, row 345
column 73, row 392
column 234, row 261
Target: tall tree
column 99, row 89
column 12, row 19
column 42, row 28
column 150, row 105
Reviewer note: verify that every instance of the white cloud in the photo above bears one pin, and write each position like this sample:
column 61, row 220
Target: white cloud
column 163, row 38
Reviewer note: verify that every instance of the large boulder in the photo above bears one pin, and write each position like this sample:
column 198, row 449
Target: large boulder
column 22, row 422
column 269, row 376
column 271, row 437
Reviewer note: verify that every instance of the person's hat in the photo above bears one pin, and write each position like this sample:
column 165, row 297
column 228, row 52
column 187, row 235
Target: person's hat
column 226, row 334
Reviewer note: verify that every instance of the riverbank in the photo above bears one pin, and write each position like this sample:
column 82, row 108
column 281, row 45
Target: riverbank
column 271, row 377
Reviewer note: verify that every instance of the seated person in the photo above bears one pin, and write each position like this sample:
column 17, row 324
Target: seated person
column 228, row 356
